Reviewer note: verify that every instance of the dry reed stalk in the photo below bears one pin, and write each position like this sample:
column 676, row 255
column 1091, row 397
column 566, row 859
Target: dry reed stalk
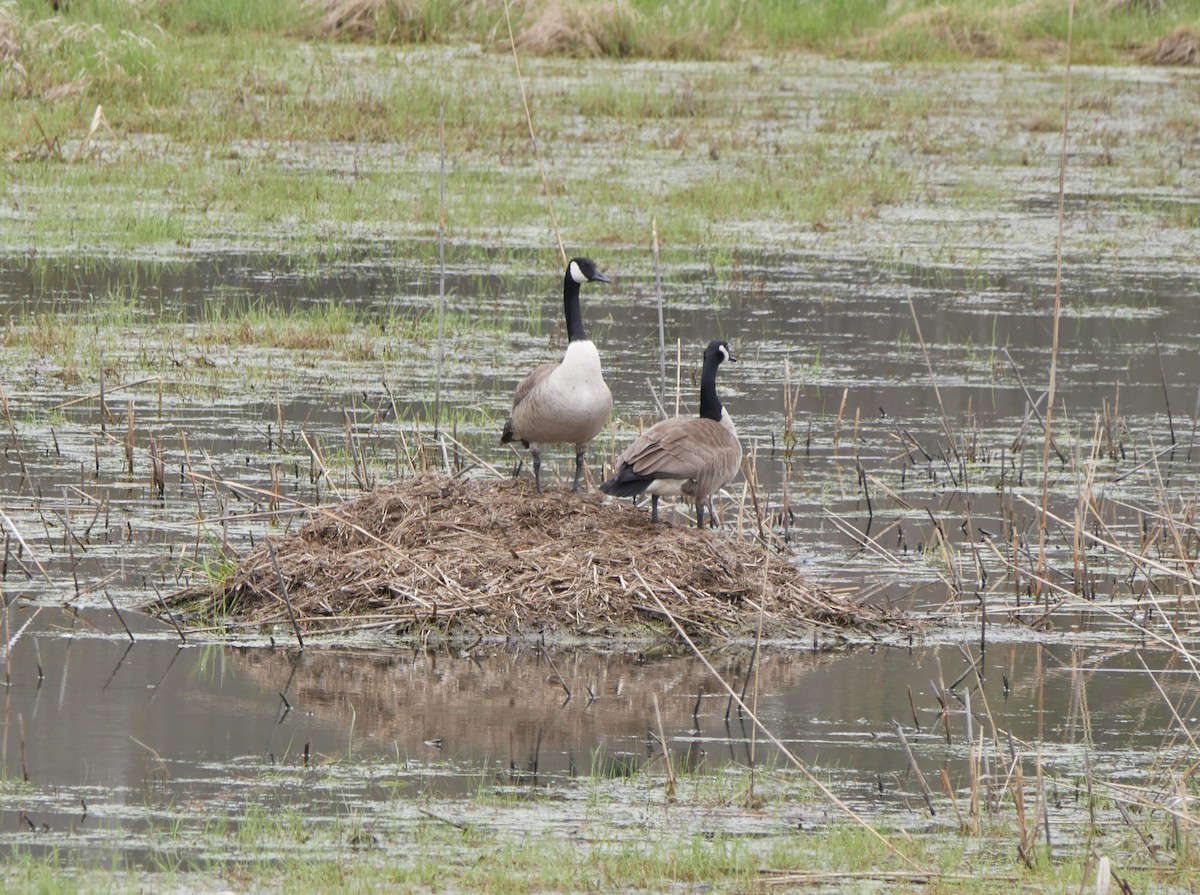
column 1183, row 824
column 158, row 473
column 865, row 542
column 537, row 151
column 1159, row 487
column 16, row 533
column 1117, row 549
column 963, row 826
column 944, row 546
column 945, row 420
column 24, row 761
column 1072, row 600
column 129, row 441
column 926, row 793
column 441, row 306
column 817, row 879
column 315, row 456
column 8, row 646
column 1179, row 722
column 117, row 613
column 116, row 388
column 1032, row 405
column 678, row 375
column 1024, row 840
column 276, row 471
column 943, row 697
column 662, row 739
column 1058, row 267
column 67, row 536
column 284, row 590
column 662, row 333
column 837, row 429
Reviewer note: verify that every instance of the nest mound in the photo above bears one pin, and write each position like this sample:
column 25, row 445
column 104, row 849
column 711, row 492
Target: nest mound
column 493, row 558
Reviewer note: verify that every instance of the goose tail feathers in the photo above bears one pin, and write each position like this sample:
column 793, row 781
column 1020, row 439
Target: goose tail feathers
column 627, row 483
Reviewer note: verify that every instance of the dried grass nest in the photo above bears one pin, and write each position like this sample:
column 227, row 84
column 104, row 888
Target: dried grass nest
column 477, row 558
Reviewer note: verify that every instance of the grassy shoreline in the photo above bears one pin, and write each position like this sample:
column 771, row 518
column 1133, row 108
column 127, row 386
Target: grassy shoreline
column 243, row 129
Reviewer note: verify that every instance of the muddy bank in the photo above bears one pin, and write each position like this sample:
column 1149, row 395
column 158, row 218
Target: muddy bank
column 472, row 558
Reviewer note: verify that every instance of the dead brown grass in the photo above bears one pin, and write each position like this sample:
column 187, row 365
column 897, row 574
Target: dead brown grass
column 348, row 19
column 568, row 27
column 13, row 79
column 392, row 21
column 1180, row 47
column 493, row 558
column 944, row 25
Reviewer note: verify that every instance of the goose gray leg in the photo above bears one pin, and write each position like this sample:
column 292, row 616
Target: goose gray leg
column 700, row 514
column 578, row 467
column 537, row 469
column 653, row 507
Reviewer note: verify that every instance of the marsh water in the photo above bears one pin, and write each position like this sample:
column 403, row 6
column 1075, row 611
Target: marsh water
column 126, row 731
column 885, row 392
column 137, row 745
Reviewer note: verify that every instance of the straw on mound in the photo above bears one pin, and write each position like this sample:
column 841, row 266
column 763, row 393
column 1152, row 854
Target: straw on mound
column 476, row 557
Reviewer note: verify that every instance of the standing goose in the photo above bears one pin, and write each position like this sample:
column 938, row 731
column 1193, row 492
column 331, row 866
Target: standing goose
column 684, row 456
column 567, row 402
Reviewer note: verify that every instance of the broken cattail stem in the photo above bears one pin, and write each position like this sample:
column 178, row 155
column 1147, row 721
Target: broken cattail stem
column 943, row 698
column 1024, row 843
column 129, row 435
column 561, row 682
column 441, row 306
column 117, row 613
column 662, row 741
column 662, row 343
column 158, row 473
column 283, row 587
column 949, row 790
column 912, row 763
column 24, row 762
column 169, row 614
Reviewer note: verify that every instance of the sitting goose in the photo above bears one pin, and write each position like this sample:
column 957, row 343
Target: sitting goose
column 567, row 402
column 691, row 456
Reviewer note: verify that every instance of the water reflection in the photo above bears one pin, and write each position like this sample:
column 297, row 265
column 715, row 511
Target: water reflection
column 110, row 720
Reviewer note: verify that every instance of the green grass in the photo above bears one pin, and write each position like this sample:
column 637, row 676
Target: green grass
column 232, row 130
column 661, row 844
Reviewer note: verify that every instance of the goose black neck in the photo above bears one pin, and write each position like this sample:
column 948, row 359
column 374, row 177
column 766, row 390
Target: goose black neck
column 710, row 404
column 571, row 309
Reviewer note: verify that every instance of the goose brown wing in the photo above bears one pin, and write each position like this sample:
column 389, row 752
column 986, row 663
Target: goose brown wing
column 678, row 448
column 535, row 376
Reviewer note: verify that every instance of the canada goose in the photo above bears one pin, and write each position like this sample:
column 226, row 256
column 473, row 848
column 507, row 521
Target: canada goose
column 689, row 456
column 567, row 402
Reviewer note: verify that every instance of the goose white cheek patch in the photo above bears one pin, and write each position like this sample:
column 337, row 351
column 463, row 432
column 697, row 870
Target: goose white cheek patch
column 577, row 274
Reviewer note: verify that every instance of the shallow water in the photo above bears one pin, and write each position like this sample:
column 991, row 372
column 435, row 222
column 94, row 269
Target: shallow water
column 144, row 732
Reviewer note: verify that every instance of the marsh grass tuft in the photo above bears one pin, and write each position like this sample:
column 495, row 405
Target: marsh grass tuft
column 567, row 27
column 1180, row 47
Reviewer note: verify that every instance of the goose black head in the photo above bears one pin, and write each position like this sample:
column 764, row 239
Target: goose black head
column 583, row 270
column 717, row 351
